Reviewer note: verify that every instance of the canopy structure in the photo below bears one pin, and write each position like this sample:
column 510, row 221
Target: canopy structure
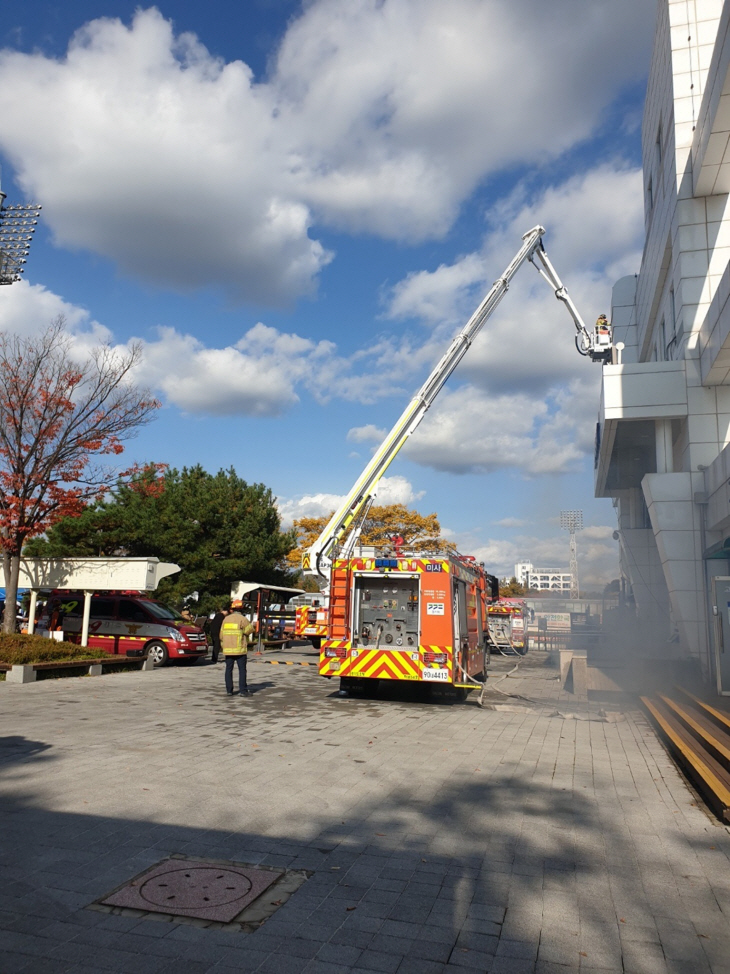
column 96, row 574
column 263, row 593
column 239, row 589
column 89, row 575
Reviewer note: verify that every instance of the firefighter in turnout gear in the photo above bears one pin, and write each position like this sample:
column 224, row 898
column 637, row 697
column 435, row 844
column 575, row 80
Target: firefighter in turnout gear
column 235, row 630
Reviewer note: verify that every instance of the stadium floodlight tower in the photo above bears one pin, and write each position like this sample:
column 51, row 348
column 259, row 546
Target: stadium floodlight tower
column 17, row 226
column 572, row 521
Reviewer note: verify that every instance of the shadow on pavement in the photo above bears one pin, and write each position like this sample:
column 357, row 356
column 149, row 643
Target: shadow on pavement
column 485, row 873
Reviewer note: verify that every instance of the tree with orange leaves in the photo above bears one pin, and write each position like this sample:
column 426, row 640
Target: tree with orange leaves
column 58, row 417
column 381, row 526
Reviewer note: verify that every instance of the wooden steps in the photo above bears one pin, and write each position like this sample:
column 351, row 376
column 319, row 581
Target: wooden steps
column 697, row 733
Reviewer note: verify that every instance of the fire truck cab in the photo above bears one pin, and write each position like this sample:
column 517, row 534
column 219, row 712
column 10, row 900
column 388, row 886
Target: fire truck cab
column 413, row 617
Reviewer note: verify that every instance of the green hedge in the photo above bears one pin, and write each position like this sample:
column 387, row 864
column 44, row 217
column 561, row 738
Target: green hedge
column 17, row 649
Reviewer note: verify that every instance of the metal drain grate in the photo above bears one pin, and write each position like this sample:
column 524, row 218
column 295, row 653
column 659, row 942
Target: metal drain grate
column 198, row 889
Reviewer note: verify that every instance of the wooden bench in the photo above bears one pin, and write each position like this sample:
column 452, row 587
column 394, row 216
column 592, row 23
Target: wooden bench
column 27, row 672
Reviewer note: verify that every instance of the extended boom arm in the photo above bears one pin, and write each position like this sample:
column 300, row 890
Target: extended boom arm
column 318, row 559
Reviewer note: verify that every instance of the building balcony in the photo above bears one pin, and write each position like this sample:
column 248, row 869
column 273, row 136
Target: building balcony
column 633, row 398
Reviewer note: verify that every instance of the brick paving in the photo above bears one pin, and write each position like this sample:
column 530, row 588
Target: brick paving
column 440, row 837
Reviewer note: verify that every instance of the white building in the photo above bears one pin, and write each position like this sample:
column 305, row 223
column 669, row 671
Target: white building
column 664, row 419
column 543, row 579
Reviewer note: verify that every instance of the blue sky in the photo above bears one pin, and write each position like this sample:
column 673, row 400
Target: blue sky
column 294, row 206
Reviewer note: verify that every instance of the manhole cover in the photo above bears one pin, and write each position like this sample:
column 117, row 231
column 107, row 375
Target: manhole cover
column 194, row 889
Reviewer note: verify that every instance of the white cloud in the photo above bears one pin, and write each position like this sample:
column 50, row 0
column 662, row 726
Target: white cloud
column 397, row 490
column 407, row 104
column 469, row 431
column 366, row 434
column 391, row 490
column 510, row 522
column 28, row 309
column 146, row 149
column 377, row 116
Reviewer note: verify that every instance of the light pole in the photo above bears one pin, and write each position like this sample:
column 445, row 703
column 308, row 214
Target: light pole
column 17, row 226
column 572, row 521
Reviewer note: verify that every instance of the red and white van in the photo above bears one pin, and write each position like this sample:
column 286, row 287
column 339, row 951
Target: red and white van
column 126, row 624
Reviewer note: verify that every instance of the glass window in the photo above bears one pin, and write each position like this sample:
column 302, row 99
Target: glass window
column 130, row 611
column 102, row 608
column 162, row 611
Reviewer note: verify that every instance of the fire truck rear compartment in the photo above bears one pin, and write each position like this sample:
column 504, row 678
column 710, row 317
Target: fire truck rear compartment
column 386, row 612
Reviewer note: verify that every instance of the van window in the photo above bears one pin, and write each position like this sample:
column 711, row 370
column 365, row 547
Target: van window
column 130, row 611
column 162, row 611
column 102, row 608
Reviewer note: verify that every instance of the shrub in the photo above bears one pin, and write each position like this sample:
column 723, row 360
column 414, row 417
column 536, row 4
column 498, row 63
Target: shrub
column 17, row 649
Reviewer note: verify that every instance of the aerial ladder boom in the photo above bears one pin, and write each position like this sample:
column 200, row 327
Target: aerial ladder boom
column 318, row 559
column 597, row 346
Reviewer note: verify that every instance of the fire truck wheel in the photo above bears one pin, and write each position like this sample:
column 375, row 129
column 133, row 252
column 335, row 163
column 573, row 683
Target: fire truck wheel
column 157, row 652
column 461, row 693
column 316, row 642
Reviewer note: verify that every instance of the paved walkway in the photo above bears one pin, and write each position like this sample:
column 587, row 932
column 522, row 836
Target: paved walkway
column 441, row 837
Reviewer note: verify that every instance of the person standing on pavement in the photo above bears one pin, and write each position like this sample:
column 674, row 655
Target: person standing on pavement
column 215, row 630
column 235, row 630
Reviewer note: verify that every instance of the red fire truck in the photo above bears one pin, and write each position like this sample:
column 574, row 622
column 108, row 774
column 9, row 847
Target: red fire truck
column 411, row 618
column 507, row 624
column 311, row 617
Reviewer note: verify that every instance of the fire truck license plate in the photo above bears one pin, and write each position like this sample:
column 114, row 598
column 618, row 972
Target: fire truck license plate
column 435, row 674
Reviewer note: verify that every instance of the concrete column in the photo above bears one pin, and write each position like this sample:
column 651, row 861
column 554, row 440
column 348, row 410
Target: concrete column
column 579, row 667
column 566, row 658
column 664, row 446
column 31, row 611
column 85, row 620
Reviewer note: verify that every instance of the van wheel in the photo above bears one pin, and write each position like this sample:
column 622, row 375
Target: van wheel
column 157, row 652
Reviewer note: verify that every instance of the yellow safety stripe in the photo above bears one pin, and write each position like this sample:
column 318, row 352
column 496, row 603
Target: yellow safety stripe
column 705, row 773
column 103, row 635
column 283, row 662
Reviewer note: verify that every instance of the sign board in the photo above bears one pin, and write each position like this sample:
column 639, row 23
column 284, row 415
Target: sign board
column 93, row 574
column 555, row 620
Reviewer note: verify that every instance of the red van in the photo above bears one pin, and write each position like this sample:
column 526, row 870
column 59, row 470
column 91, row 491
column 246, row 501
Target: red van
column 127, row 624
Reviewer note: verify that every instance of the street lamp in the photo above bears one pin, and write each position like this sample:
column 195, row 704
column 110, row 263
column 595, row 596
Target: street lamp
column 17, row 226
column 572, row 521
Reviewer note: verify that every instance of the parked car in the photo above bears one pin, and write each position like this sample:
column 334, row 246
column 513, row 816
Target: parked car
column 127, row 624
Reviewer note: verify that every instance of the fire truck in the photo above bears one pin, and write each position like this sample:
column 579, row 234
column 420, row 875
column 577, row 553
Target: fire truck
column 507, row 625
column 414, row 616
column 311, row 617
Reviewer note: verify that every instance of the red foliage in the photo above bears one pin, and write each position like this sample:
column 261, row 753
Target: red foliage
column 55, row 418
column 144, row 479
